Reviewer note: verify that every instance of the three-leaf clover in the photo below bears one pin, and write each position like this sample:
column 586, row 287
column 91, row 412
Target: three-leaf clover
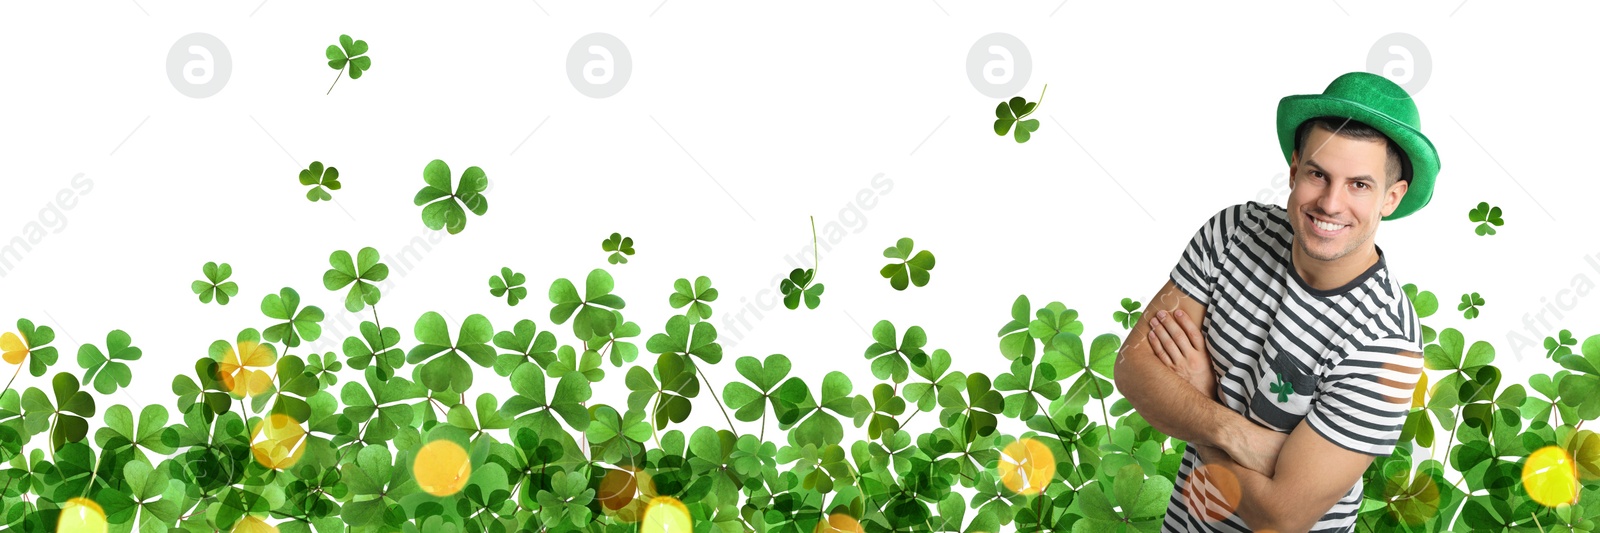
column 29, row 341
column 215, row 286
column 359, row 274
column 1282, row 388
column 1556, row 347
column 1014, row 112
column 1129, row 315
column 321, row 179
column 594, row 310
column 297, row 323
column 105, row 369
column 618, row 246
column 694, row 296
column 450, row 372
column 349, row 53
column 508, row 284
column 446, row 209
column 1469, row 305
column 798, row 284
column 912, row 268
column 1486, row 217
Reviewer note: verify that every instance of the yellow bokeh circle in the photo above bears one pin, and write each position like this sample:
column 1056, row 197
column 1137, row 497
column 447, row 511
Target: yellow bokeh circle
column 666, row 514
column 1026, row 466
column 251, row 524
column 442, row 467
column 81, row 515
column 838, row 523
column 278, row 441
column 615, row 497
column 1551, row 477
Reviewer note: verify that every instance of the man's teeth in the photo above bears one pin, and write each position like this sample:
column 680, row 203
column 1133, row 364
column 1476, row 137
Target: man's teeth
column 1326, row 226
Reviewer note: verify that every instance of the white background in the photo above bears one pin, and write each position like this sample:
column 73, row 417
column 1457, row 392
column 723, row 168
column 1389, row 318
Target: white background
column 740, row 120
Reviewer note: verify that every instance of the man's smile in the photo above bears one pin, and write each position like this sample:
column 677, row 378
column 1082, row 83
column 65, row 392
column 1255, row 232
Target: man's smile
column 1323, row 228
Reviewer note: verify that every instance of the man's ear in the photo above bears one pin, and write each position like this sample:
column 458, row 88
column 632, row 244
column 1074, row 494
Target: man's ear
column 1294, row 167
column 1391, row 198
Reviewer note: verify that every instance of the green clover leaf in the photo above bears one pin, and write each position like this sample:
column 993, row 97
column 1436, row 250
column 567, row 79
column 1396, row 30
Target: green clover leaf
column 695, row 297
column 1469, row 305
column 349, row 53
column 798, row 284
column 322, row 180
column 215, row 286
column 910, row 268
column 1487, row 217
column 1015, row 340
column 1129, row 315
column 1282, row 388
column 1557, row 347
column 681, row 337
column 1425, row 304
column 106, row 369
column 360, row 274
column 889, row 360
column 1015, row 112
column 303, row 324
column 594, row 311
column 508, row 284
column 445, row 208
column 443, row 368
column 618, row 246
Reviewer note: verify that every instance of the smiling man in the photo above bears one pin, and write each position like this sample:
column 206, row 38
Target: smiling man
column 1281, row 349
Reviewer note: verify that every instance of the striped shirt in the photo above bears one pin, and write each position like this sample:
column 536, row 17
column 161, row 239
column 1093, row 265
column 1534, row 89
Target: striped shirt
column 1286, row 352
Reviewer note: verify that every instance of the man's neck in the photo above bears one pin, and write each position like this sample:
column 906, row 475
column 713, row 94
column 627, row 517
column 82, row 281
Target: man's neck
column 1329, row 275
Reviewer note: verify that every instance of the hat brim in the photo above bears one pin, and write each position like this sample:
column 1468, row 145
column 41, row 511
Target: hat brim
column 1294, row 110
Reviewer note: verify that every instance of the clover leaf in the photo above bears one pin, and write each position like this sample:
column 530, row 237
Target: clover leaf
column 618, row 246
column 445, row 208
column 695, row 297
column 444, row 369
column 1425, row 304
column 1015, row 340
column 594, row 309
column 750, row 404
column 321, row 181
column 68, row 416
column 509, row 285
column 106, row 369
column 798, row 284
column 29, row 343
column 375, row 348
column 1469, row 305
column 889, row 360
column 349, row 53
column 1013, row 113
column 1129, row 315
column 526, row 344
column 303, row 324
column 910, row 268
column 215, row 285
column 1133, row 500
column 681, row 337
column 363, row 272
column 1555, row 347
column 1487, row 217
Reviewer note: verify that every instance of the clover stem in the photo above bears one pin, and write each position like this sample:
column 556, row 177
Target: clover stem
column 335, row 81
column 816, row 259
column 718, row 400
column 763, row 437
column 13, row 378
column 1035, row 104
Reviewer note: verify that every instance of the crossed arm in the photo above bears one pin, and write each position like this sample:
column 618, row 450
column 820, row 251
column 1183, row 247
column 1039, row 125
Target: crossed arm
column 1286, row 483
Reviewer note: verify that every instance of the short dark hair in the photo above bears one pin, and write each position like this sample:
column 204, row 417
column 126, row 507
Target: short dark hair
column 1398, row 165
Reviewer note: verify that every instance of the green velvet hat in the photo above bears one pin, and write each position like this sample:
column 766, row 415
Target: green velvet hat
column 1380, row 103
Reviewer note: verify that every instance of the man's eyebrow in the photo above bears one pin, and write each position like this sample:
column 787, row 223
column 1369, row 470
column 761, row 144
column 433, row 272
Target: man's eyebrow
column 1364, row 177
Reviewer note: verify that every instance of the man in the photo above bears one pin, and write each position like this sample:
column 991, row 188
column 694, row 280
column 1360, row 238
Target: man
column 1281, row 350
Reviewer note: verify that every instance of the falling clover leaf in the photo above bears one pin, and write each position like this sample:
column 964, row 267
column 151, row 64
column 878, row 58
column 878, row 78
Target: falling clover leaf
column 322, row 180
column 1485, row 216
column 304, row 324
column 1469, row 305
column 1553, row 347
column 1129, row 315
column 29, row 343
column 1013, row 112
column 1282, row 388
column 359, row 274
column 105, row 369
column 508, row 284
column 348, row 53
column 912, row 268
column 446, row 211
column 799, row 282
column 618, row 246
column 215, row 284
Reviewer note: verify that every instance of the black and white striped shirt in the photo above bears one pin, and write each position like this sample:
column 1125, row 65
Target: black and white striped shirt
column 1286, row 352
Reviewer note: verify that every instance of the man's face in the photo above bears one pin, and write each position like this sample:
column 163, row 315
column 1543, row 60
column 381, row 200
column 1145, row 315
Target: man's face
column 1339, row 182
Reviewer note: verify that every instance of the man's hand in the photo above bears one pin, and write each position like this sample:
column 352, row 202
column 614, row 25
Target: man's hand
column 1177, row 342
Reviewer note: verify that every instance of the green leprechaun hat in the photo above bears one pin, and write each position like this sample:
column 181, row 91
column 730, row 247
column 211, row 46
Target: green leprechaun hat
column 1380, row 103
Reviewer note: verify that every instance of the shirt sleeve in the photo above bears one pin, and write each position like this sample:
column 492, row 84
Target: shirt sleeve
column 1361, row 404
column 1196, row 271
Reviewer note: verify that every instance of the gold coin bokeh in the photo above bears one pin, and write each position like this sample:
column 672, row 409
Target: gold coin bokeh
column 442, row 468
column 1026, row 466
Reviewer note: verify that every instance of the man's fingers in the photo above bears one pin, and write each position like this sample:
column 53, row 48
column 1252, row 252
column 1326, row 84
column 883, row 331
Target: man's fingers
column 1180, row 339
column 1155, row 346
column 1165, row 338
column 1191, row 328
